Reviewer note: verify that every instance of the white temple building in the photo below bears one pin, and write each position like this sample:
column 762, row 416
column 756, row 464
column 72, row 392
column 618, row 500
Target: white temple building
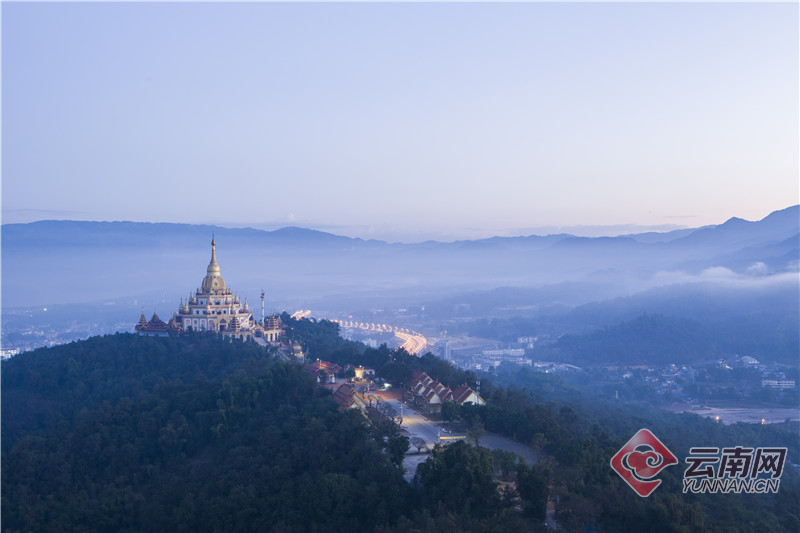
column 214, row 307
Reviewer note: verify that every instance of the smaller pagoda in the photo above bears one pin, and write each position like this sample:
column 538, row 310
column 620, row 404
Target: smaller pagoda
column 155, row 327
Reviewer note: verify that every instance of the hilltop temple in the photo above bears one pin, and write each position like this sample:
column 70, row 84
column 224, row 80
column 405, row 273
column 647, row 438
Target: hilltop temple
column 214, row 307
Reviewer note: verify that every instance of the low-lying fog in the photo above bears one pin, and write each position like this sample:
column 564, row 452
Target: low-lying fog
column 749, row 265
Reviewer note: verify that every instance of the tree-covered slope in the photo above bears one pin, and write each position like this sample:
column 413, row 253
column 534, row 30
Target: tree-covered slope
column 659, row 340
column 46, row 386
column 124, row 433
column 248, row 443
column 194, row 433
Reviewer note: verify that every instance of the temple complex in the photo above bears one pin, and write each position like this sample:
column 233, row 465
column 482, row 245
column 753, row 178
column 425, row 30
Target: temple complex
column 155, row 327
column 214, row 307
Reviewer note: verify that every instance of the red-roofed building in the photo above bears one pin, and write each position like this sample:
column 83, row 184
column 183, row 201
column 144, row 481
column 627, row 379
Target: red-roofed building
column 428, row 393
column 431, row 394
column 324, row 371
column 347, row 397
column 464, row 394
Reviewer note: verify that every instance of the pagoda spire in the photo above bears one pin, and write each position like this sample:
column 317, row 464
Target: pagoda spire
column 142, row 322
column 213, row 268
column 213, row 264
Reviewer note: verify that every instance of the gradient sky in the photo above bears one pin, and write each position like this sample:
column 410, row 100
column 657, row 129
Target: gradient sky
column 400, row 121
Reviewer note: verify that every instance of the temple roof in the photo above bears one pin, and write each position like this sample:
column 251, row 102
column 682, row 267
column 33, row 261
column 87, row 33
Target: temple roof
column 155, row 325
column 274, row 322
column 142, row 322
column 323, row 366
column 213, row 280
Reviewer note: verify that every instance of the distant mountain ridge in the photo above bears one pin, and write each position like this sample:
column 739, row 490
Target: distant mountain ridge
column 777, row 226
column 74, row 261
column 780, row 225
column 88, row 233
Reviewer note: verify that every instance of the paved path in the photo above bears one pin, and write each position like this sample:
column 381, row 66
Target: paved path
column 498, row 442
column 551, row 515
column 415, row 424
column 259, row 340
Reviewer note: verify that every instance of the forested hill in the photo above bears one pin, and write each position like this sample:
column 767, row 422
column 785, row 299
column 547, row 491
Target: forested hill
column 194, row 433
column 48, row 386
column 184, row 434
column 661, row 340
column 123, row 433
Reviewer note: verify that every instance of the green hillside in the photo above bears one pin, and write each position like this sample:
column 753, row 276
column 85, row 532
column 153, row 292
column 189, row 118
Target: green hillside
column 193, row 433
column 127, row 433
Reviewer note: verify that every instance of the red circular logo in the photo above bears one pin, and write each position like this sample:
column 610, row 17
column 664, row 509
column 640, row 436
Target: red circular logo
column 640, row 460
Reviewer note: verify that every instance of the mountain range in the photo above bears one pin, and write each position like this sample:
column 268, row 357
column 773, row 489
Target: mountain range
column 56, row 262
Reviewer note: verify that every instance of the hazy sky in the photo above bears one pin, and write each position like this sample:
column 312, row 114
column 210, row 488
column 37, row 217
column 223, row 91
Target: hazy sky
column 400, row 121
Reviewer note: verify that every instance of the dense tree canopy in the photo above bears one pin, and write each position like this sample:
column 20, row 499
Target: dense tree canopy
column 245, row 450
column 580, row 437
column 194, row 433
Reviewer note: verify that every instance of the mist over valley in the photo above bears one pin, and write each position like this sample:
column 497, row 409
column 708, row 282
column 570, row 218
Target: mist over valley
column 739, row 274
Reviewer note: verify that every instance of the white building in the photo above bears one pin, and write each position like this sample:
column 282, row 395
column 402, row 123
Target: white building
column 214, row 307
column 778, row 383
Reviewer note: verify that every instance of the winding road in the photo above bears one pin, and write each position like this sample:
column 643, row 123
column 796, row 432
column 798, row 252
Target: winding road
column 413, row 342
